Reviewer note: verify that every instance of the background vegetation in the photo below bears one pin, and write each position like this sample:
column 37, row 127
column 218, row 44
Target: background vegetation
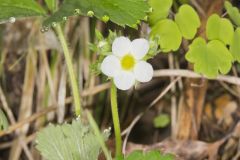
column 179, row 112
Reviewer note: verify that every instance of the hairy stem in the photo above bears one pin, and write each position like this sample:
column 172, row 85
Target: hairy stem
column 116, row 123
column 99, row 135
column 73, row 81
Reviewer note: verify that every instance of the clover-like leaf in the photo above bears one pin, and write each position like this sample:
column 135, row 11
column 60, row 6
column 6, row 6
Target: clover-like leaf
column 161, row 121
column 235, row 45
column 160, row 10
column 188, row 21
column 209, row 59
column 170, row 37
column 233, row 13
column 19, row 8
column 219, row 29
column 121, row 12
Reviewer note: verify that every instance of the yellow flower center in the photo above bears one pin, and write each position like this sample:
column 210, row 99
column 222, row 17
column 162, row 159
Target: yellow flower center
column 127, row 62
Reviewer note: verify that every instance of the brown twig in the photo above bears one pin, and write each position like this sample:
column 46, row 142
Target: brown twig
column 21, row 123
column 9, row 144
column 191, row 74
column 138, row 117
column 88, row 92
column 13, row 121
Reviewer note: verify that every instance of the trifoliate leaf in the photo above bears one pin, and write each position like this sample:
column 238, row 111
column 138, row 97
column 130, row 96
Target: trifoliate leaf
column 3, row 121
column 209, row 59
column 160, row 10
column 68, row 142
column 170, row 37
column 233, row 13
column 235, row 45
column 219, row 29
column 124, row 12
column 188, row 21
column 161, row 121
column 19, row 8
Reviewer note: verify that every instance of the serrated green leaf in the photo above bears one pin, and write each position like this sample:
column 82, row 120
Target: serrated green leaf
column 3, row 121
column 51, row 4
column 219, row 29
column 170, row 37
column 188, row 21
column 160, row 10
column 19, row 8
column 233, row 13
column 68, row 142
column 124, row 12
column 235, row 45
column 209, row 59
column 161, row 121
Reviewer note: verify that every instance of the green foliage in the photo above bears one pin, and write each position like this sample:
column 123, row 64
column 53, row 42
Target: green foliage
column 3, row 121
column 211, row 58
column 235, row 45
column 74, row 141
column 160, row 10
column 170, row 32
column 19, row 8
column 102, row 47
column 188, row 21
column 161, row 121
column 51, row 4
column 183, row 1
column 151, row 155
column 170, row 37
column 124, row 12
column 219, row 29
column 233, row 13
column 99, row 137
column 153, row 48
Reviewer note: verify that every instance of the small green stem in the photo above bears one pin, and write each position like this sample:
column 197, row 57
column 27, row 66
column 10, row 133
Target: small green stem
column 116, row 122
column 73, row 81
column 98, row 135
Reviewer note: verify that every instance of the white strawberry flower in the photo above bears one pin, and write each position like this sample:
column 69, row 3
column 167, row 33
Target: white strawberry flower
column 126, row 65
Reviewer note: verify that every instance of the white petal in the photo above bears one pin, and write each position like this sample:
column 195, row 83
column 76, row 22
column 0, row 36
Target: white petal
column 124, row 80
column 121, row 46
column 143, row 71
column 139, row 48
column 110, row 66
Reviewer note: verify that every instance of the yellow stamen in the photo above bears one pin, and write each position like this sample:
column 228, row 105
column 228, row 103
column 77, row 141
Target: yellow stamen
column 127, row 62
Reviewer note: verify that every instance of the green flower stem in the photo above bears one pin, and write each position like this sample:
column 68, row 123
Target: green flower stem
column 116, row 122
column 99, row 135
column 73, row 81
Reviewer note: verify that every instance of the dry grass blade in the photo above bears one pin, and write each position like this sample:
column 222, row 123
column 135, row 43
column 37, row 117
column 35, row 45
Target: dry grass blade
column 137, row 118
column 62, row 96
column 43, row 112
column 13, row 121
column 26, row 102
column 191, row 74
